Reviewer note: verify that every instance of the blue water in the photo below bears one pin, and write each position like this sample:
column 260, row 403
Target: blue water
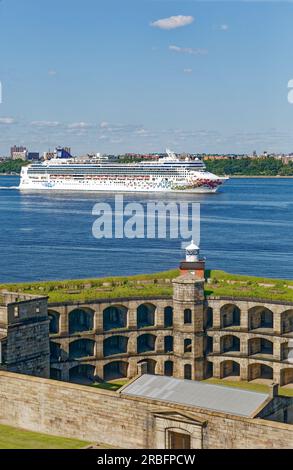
column 246, row 228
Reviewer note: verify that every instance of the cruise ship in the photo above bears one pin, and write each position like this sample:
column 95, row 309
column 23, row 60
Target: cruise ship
column 169, row 173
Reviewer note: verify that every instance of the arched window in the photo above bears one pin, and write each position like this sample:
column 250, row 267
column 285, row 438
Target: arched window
column 81, row 319
column 187, row 371
column 54, row 318
column 168, row 368
column 168, row 317
column 187, row 345
column 187, row 316
column 168, row 341
column 145, row 315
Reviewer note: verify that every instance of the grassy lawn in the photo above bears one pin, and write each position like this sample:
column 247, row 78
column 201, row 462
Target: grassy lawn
column 249, row 386
column 219, row 284
column 14, row 438
column 111, row 385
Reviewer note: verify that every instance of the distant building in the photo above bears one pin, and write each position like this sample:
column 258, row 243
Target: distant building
column 33, row 156
column 17, row 149
column 21, row 155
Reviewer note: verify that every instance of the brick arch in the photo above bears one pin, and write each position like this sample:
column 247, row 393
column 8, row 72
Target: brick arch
column 146, row 342
column 260, row 370
column 81, row 319
column 151, row 365
column 260, row 345
column 82, row 347
column 115, row 344
column 115, row 316
column 82, row 373
column 146, row 315
column 230, row 368
column 229, row 343
column 287, row 321
column 230, row 315
column 115, row 370
column 260, row 317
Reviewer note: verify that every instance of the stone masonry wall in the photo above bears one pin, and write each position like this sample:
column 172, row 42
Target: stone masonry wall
column 102, row 416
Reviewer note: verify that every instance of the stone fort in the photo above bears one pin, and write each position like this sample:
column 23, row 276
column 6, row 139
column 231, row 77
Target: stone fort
column 185, row 336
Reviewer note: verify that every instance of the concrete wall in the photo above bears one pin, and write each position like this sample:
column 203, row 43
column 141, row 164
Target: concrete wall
column 101, row 416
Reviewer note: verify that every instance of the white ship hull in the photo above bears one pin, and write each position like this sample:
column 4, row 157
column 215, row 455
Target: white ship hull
column 82, row 186
column 163, row 177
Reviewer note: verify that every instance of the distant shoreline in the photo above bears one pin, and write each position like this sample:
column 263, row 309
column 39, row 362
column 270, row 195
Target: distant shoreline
column 259, row 176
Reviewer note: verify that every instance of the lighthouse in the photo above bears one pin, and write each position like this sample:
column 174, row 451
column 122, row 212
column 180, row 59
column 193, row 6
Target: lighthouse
column 193, row 263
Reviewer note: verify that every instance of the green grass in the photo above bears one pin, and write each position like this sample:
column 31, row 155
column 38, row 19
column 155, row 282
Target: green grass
column 113, row 385
column 249, row 386
column 219, row 284
column 14, row 438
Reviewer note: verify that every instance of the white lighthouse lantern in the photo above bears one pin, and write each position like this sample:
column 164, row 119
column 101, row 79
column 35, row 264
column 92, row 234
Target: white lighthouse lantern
column 192, row 253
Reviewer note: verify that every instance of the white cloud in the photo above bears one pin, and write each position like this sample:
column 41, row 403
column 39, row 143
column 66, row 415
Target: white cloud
column 7, row 120
column 104, row 124
column 52, row 72
column 188, row 50
column 187, row 70
column 79, row 125
column 173, row 22
column 45, row 123
column 224, row 27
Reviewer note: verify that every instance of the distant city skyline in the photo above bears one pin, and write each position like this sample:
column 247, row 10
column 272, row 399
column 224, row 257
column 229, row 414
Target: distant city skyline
column 126, row 76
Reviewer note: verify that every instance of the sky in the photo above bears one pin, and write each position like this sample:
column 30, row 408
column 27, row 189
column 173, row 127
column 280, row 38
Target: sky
column 141, row 75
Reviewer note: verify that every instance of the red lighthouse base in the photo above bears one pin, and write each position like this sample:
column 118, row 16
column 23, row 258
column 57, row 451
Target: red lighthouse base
column 198, row 267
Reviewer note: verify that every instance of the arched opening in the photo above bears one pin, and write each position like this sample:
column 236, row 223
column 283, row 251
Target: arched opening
column 230, row 343
column 260, row 318
column 54, row 318
column 209, row 317
column 286, row 377
column 168, row 317
column 145, row 315
column 114, row 317
column 209, row 370
column 287, row 322
column 230, row 316
column 260, row 371
column 81, row 348
column 151, row 365
column 209, row 340
column 146, row 342
column 168, row 368
column 115, row 370
column 229, row 369
column 55, row 351
column 187, row 345
column 187, row 371
column 115, row 345
column 285, row 351
column 81, row 319
column 55, row 374
column 168, row 343
column 187, row 316
column 83, row 373
column 260, row 346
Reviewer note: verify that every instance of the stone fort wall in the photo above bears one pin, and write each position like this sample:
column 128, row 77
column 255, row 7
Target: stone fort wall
column 102, row 416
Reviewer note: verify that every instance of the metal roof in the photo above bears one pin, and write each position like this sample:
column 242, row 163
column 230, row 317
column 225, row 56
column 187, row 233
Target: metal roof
column 199, row 394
